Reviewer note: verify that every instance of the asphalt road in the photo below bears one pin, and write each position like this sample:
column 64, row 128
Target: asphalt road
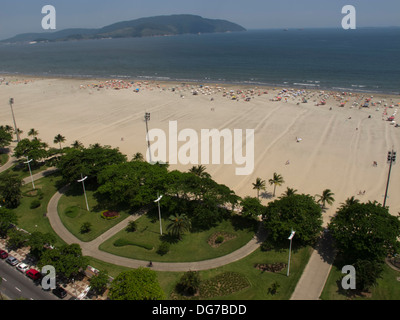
column 17, row 285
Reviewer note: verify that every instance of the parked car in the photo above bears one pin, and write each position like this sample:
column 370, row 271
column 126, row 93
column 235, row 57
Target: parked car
column 22, row 267
column 60, row 292
column 33, row 274
column 3, row 254
column 11, row 260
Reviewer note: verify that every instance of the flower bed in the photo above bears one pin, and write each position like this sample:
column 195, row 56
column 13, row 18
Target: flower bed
column 109, row 215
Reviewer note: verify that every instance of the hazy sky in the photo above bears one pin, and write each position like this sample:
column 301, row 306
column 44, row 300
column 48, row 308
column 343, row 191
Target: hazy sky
column 21, row 16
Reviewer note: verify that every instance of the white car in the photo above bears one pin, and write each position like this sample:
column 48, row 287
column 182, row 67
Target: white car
column 22, row 267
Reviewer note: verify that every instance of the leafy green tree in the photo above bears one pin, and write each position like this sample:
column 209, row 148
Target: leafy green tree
column 67, row 260
column 259, row 185
column 89, row 162
column 367, row 273
column 77, row 145
column 37, row 242
column 178, row 225
column 34, row 149
column 86, row 227
column 132, row 226
column 277, row 180
column 300, row 213
column 99, row 282
column 365, row 231
column 10, row 190
column 7, row 217
column 137, row 284
column 5, row 137
column 252, row 207
column 349, row 201
column 326, row 198
column 17, row 238
column 138, row 157
column 130, row 184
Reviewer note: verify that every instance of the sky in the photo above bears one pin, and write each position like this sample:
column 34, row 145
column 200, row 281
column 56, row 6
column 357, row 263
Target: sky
column 22, row 16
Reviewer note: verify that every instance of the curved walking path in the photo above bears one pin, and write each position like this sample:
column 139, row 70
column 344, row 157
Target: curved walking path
column 91, row 248
column 11, row 160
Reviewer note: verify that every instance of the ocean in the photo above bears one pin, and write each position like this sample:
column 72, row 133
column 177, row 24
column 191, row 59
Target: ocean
column 361, row 60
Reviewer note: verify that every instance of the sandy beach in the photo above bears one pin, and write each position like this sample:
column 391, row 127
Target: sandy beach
column 340, row 139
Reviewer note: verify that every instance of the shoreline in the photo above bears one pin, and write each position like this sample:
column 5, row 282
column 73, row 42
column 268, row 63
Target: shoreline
column 164, row 81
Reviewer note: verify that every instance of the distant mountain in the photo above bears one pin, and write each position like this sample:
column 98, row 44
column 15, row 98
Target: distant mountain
column 143, row 27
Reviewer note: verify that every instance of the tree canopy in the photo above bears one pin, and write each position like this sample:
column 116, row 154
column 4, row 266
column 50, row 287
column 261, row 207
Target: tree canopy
column 365, row 231
column 137, row 284
column 298, row 212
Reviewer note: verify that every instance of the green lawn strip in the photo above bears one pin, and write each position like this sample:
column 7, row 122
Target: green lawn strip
column 3, row 158
column 258, row 281
column 387, row 288
column 192, row 247
column 73, row 213
column 33, row 220
column 23, row 172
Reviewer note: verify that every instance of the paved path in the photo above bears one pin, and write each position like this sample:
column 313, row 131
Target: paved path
column 11, row 160
column 316, row 272
column 91, row 248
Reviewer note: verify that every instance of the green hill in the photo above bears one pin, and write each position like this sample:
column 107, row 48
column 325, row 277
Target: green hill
column 143, row 27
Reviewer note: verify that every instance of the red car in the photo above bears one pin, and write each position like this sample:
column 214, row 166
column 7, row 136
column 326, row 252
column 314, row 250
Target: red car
column 33, row 274
column 3, row 254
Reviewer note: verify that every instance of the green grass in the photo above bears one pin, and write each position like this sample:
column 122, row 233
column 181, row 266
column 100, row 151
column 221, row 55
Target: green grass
column 387, row 288
column 73, row 213
column 192, row 247
column 258, row 281
column 23, row 172
column 33, row 220
column 3, row 158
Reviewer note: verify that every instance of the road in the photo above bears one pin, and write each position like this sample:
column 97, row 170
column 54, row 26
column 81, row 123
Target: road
column 16, row 285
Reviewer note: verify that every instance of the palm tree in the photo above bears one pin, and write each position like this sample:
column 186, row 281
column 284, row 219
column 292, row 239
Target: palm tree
column 277, row 180
column 326, row 197
column 58, row 139
column 179, row 224
column 199, row 171
column 289, row 192
column 349, row 202
column 259, row 185
column 77, row 145
column 33, row 133
column 138, row 157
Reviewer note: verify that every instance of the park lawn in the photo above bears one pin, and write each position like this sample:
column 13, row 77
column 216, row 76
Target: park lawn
column 33, row 220
column 73, row 213
column 192, row 247
column 387, row 288
column 23, row 172
column 259, row 281
column 3, row 158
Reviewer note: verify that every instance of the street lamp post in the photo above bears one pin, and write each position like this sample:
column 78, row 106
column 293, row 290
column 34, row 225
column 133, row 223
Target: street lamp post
column 30, row 171
column 391, row 159
column 147, row 118
column 290, row 250
column 159, row 211
column 84, row 190
column 15, row 124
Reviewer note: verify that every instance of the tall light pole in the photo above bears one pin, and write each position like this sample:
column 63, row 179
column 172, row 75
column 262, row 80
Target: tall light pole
column 147, row 118
column 159, row 211
column 290, row 250
column 15, row 124
column 391, row 158
column 30, row 171
column 84, row 190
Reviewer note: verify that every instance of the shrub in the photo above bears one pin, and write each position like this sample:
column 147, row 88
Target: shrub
column 35, row 204
column 219, row 239
column 86, row 227
column 163, row 248
column 189, row 283
column 132, row 226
